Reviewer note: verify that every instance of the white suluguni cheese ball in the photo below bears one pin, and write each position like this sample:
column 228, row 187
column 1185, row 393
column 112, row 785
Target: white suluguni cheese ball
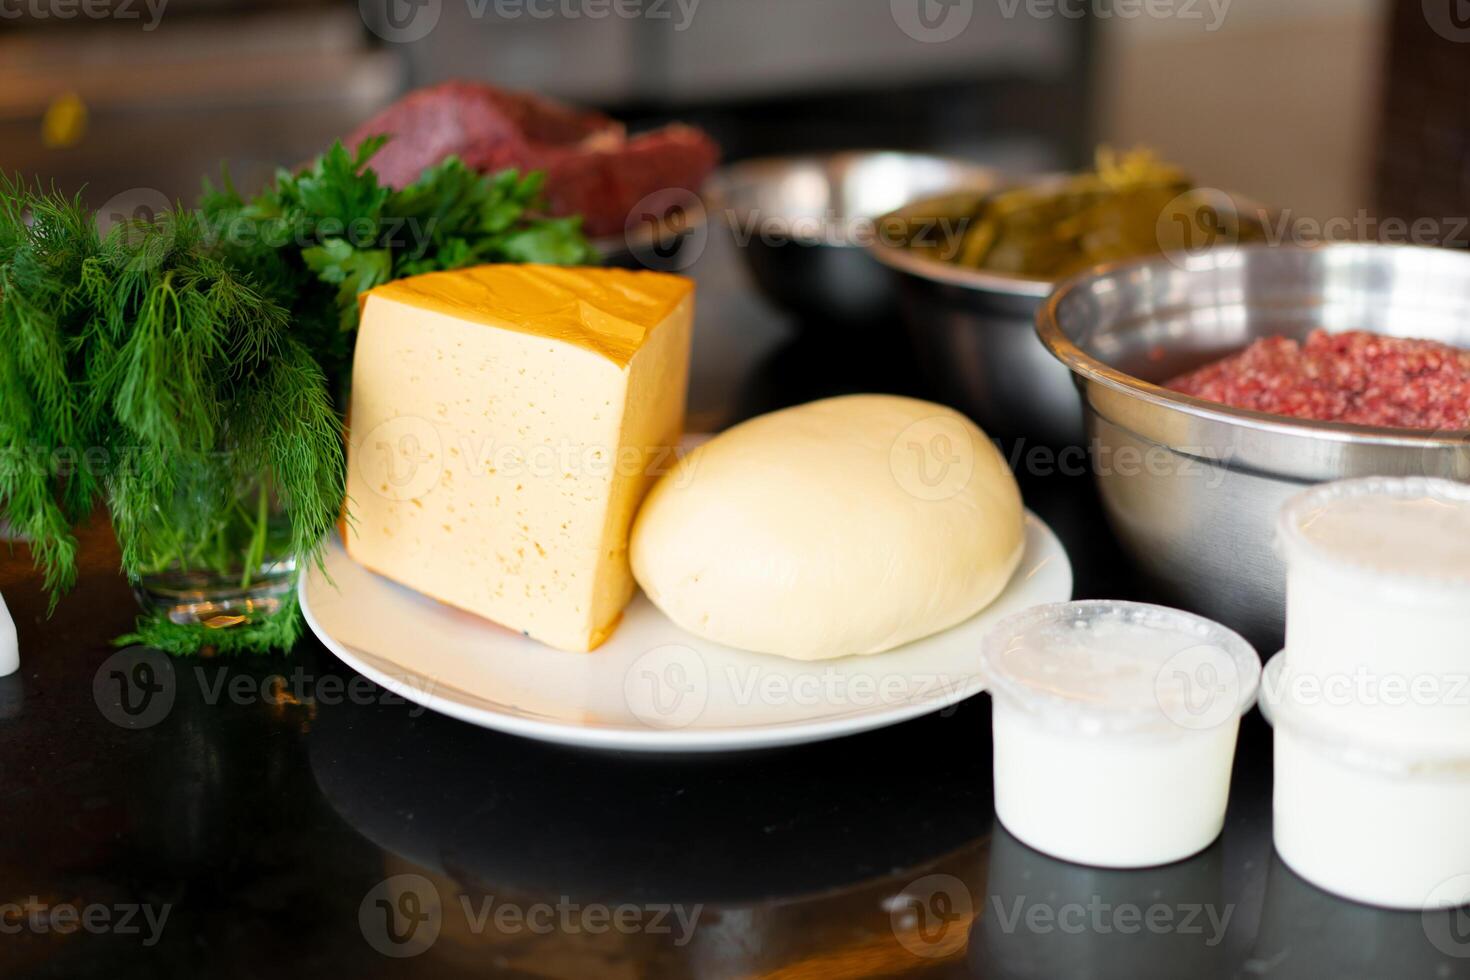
column 845, row 526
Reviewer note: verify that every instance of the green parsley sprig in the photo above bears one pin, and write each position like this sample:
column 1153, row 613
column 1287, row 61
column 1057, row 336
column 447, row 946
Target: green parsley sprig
column 317, row 239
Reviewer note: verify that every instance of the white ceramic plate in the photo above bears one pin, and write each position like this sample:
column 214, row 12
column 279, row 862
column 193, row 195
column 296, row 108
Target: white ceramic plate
column 651, row 687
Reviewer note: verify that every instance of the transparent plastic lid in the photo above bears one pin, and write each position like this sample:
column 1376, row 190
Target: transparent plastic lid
column 1445, row 758
column 1409, row 536
column 1120, row 667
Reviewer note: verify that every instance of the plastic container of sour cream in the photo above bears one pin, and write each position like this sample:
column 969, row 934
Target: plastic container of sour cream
column 9, row 648
column 1379, row 819
column 1378, row 603
column 1114, row 729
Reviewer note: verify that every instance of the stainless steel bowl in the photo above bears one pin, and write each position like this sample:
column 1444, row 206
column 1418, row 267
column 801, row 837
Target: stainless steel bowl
column 974, row 335
column 801, row 224
column 1192, row 488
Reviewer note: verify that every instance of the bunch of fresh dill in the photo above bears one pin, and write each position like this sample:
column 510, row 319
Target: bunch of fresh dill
column 141, row 370
column 189, row 372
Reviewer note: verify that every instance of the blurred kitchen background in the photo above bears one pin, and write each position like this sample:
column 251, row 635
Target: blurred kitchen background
column 1325, row 106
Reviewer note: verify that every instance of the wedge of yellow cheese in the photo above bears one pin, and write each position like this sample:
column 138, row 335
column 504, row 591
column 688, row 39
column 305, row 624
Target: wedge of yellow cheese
column 506, row 421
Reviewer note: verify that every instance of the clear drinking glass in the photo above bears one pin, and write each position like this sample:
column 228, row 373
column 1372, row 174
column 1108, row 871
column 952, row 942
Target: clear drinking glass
column 218, row 556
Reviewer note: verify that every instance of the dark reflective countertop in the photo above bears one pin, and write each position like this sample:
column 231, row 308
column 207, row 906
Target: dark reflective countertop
column 284, row 818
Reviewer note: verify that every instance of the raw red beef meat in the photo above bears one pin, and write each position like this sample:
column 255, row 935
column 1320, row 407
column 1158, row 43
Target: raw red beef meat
column 1355, row 376
column 593, row 167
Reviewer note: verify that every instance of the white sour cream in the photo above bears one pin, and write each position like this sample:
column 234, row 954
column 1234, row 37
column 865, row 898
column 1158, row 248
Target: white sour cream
column 1114, row 729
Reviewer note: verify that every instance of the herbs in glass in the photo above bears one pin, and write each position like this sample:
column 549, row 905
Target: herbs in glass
column 141, row 369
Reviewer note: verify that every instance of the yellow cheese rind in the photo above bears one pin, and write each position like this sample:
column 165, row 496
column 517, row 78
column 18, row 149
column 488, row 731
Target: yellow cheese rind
column 609, row 312
column 495, row 460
